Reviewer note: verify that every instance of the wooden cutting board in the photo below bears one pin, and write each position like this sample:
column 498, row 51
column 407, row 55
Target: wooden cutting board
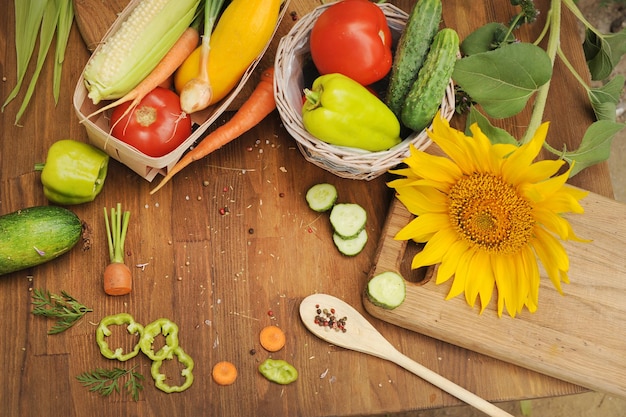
column 579, row 336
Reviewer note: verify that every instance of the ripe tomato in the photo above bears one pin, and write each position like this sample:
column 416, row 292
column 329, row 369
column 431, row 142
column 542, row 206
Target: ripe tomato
column 156, row 126
column 352, row 37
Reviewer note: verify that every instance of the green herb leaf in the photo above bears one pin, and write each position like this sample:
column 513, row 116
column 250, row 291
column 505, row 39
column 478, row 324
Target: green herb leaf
column 65, row 308
column 595, row 146
column 106, row 381
column 503, row 80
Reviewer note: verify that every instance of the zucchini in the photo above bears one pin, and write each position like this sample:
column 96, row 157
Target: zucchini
column 321, row 197
column 352, row 246
column 413, row 45
column 386, row 290
column 348, row 219
column 35, row 235
column 428, row 91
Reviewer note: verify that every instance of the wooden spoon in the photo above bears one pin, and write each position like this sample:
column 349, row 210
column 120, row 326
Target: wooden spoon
column 361, row 336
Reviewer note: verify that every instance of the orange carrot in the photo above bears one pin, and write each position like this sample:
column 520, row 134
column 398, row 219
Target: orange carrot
column 117, row 278
column 272, row 338
column 183, row 47
column 224, row 373
column 260, row 103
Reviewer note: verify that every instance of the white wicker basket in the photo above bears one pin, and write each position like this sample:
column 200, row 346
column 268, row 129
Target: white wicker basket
column 292, row 53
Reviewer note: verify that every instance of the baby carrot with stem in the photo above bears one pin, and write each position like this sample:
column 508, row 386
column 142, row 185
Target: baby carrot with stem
column 187, row 42
column 117, row 278
column 260, row 103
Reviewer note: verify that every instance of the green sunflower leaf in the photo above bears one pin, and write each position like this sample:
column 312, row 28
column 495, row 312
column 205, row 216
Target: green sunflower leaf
column 495, row 134
column 603, row 52
column 604, row 99
column 503, row 80
column 595, row 146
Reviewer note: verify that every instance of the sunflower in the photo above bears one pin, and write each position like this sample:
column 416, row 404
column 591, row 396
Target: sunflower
column 488, row 214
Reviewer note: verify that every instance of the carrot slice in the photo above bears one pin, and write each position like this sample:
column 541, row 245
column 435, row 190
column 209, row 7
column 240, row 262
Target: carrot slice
column 272, row 338
column 224, row 373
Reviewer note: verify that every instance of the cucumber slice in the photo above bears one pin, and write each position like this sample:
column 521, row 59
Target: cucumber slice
column 348, row 219
column 386, row 290
column 321, row 197
column 352, row 246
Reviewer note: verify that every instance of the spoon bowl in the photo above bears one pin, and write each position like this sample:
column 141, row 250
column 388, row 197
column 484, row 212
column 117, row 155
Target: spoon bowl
column 337, row 322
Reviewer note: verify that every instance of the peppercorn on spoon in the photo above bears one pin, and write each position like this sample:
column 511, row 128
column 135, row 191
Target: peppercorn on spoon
column 337, row 322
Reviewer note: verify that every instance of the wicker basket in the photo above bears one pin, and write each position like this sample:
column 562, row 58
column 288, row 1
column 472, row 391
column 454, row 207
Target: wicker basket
column 292, row 54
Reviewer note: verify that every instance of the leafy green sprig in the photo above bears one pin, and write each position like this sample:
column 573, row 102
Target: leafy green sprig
column 107, row 381
column 64, row 308
column 489, row 73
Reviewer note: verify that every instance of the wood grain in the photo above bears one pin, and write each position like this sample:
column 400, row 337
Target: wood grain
column 217, row 276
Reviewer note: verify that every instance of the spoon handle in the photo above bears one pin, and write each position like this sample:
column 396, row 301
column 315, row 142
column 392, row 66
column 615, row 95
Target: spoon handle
column 446, row 385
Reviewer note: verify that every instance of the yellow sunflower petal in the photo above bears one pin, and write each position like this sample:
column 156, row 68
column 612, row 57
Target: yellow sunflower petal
column 553, row 222
column 450, row 261
column 435, row 249
column 552, row 255
column 480, row 279
column 419, row 200
column 504, row 276
column 536, row 172
column 434, row 167
column 423, row 227
column 461, row 276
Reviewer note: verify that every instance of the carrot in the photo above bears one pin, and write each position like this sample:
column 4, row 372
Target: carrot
column 224, row 373
column 117, row 278
column 272, row 338
column 260, row 103
column 184, row 46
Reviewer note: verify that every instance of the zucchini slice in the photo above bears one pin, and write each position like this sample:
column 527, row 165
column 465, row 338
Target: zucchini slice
column 352, row 246
column 321, row 197
column 348, row 219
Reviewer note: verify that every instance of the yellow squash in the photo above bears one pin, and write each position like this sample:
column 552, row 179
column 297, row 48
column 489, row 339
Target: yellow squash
column 240, row 35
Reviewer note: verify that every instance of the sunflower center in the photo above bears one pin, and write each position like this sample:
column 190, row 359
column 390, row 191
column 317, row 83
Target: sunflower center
column 490, row 213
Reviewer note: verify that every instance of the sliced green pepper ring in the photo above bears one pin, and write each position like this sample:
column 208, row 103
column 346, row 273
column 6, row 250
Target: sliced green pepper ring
column 187, row 372
column 278, row 371
column 103, row 331
column 167, row 328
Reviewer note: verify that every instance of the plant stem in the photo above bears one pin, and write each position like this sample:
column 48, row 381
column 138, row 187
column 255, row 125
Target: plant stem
column 536, row 117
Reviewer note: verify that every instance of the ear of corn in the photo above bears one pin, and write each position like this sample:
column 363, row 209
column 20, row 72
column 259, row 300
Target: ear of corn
column 136, row 47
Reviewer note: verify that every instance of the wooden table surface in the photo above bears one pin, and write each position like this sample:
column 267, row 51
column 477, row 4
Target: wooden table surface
column 219, row 276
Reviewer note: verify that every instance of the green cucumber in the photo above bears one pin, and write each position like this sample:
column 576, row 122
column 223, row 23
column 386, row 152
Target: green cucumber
column 413, row 45
column 386, row 290
column 352, row 246
column 321, row 197
column 35, row 235
column 348, row 219
column 428, row 91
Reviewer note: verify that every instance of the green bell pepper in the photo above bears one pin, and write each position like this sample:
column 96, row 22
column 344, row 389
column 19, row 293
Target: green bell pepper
column 162, row 326
column 74, row 172
column 187, row 372
column 103, row 331
column 340, row 111
column 278, row 371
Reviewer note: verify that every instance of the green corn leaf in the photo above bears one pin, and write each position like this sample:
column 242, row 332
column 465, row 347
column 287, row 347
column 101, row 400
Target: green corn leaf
column 48, row 27
column 64, row 26
column 28, row 17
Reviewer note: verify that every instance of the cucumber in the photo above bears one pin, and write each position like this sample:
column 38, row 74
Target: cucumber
column 386, row 290
column 413, row 45
column 321, row 197
column 352, row 246
column 348, row 219
column 427, row 92
column 35, row 235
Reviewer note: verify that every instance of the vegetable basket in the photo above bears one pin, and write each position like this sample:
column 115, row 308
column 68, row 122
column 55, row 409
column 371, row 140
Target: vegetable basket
column 146, row 166
column 291, row 57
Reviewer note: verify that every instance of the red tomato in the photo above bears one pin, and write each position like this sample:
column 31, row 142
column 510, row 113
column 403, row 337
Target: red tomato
column 352, row 37
column 156, row 127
